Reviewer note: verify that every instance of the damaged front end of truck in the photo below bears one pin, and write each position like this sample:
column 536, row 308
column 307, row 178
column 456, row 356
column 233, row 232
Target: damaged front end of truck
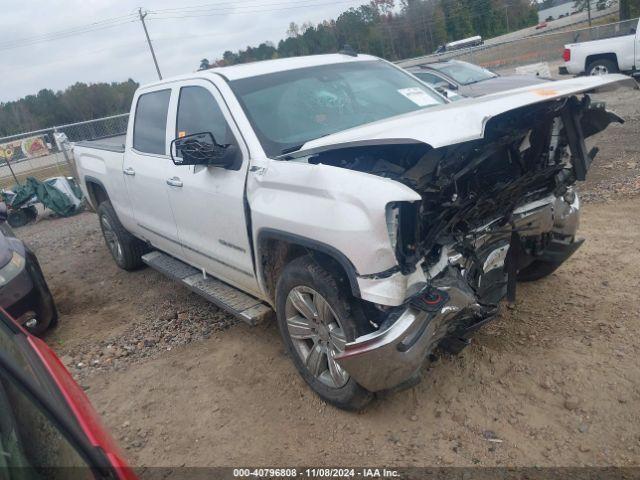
column 489, row 208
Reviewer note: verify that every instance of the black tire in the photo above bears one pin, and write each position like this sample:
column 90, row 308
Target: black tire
column 31, row 212
column 22, row 216
column 40, row 329
column 536, row 270
column 42, row 303
column 125, row 249
column 304, row 271
column 604, row 65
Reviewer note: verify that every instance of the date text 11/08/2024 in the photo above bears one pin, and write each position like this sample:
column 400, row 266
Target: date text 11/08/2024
column 315, row 473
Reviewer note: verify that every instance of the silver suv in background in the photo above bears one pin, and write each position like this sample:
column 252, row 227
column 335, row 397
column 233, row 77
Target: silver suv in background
column 457, row 79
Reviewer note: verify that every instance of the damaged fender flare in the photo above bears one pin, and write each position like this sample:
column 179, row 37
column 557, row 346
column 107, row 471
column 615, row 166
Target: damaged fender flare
column 273, row 234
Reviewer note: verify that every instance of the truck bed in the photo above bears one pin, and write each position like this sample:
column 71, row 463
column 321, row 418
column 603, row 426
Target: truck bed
column 112, row 144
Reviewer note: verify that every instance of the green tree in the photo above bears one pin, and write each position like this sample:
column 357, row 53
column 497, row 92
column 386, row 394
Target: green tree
column 380, row 28
column 78, row 102
column 629, row 9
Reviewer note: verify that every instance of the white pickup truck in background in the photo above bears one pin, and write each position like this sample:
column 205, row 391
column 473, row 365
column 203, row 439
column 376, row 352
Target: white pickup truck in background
column 377, row 219
column 599, row 57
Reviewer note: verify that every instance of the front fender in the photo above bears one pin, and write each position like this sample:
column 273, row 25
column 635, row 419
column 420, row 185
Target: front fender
column 341, row 208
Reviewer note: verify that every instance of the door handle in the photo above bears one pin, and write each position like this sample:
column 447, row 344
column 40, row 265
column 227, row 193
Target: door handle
column 129, row 171
column 174, row 182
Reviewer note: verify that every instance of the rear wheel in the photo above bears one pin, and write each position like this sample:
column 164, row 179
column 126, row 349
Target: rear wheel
column 316, row 319
column 125, row 249
column 602, row 67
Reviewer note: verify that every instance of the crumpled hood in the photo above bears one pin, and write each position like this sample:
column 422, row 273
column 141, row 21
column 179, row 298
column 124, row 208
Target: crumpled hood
column 462, row 121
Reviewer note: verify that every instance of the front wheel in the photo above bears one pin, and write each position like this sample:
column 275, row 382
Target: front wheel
column 316, row 320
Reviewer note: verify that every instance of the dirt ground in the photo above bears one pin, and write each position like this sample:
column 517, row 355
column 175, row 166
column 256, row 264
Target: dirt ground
column 553, row 381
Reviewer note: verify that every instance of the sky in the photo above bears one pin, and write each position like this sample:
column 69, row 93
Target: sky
column 182, row 32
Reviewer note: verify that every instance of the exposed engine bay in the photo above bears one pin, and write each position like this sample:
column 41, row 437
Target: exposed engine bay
column 489, row 207
column 471, row 192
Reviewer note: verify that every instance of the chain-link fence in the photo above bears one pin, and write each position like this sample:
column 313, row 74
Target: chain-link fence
column 47, row 153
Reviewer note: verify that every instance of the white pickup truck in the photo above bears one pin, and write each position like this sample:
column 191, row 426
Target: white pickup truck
column 378, row 220
column 599, row 57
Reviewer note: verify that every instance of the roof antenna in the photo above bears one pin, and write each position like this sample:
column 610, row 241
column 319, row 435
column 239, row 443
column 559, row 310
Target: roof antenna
column 348, row 50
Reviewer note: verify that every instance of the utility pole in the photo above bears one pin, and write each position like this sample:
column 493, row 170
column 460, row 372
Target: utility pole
column 506, row 14
column 153, row 54
column 589, row 11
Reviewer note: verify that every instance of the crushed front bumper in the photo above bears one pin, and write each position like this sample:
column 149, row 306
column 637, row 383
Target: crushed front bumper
column 448, row 310
column 384, row 359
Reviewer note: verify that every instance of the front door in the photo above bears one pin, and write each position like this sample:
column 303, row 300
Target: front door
column 208, row 201
column 146, row 169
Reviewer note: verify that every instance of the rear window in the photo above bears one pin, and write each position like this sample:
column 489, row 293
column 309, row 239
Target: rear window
column 149, row 129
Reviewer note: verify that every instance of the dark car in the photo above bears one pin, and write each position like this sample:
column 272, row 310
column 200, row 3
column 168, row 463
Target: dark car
column 24, row 293
column 48, row 428
column 469, row 80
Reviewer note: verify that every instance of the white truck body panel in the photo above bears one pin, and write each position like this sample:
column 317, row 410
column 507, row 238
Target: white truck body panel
column 428, row 217
column 205, row 224
column 624, row 49
column 106, row 167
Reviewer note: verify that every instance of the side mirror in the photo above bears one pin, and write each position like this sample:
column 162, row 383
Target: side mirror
column 202, row 149
column 3, row 212
column 443, row 87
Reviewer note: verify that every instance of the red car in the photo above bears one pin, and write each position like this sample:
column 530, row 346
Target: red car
column 541, row 25
column 48, row 428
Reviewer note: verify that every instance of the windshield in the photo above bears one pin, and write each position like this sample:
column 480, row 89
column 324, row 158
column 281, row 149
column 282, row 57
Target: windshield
column 464, row 73
column 288, row 109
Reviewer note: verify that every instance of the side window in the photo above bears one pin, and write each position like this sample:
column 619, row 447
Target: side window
column 149, row 129
column 199, row 112
column 428, row 78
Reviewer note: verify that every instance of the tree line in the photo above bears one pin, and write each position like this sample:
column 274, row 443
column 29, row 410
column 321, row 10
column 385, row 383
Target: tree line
column 393, row 31
column 629, row 9
column 78, row 102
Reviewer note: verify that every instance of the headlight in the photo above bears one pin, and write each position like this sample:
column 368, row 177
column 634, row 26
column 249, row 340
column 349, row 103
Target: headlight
column 393, row 222
column 11, row 269
column 403, row 227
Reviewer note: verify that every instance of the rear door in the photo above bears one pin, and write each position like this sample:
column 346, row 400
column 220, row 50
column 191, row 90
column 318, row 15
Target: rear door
column 208, row 201
column 146, row 168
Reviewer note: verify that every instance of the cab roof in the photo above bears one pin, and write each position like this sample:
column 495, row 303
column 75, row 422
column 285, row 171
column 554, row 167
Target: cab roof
column 254, row 69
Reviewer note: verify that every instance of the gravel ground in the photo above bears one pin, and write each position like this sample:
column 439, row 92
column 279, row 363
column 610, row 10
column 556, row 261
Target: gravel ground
column 553, row 381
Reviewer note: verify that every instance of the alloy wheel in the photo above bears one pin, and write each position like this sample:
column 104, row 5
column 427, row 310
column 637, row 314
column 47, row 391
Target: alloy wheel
column 317, row 335
column 599, row 70
column 111, row 238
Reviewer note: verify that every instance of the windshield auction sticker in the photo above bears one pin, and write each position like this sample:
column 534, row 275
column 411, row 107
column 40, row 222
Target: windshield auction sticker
column 418, row 96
